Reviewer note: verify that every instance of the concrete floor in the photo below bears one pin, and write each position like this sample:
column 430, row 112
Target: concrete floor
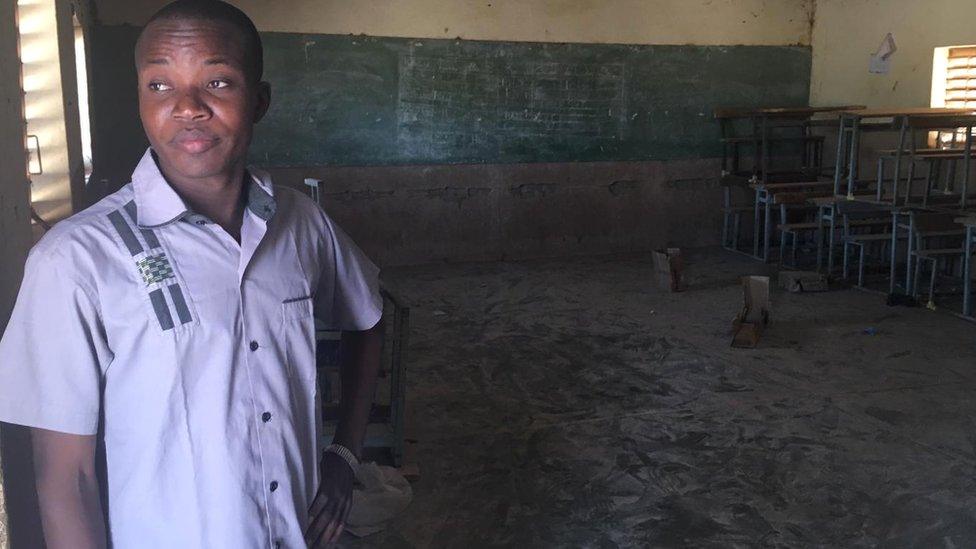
column 572, row 404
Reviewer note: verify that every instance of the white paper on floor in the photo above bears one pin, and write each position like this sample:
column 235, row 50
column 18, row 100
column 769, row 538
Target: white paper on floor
column 384, row 494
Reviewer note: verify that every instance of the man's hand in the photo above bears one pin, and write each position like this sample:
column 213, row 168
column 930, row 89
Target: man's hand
column 359, row 364
column 327, row 516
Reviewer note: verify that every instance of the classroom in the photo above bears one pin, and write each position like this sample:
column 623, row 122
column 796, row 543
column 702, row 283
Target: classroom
column 597, row 273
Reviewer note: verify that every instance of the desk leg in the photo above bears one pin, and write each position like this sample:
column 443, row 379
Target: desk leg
column 765, row 150
column 755, row 225
column 930, row 164
column 768, row 228
column 966, row 168
column 724, row 126
column 726, row 214
column 908, row 257
column 967, row 305
column 839, row 161
column 830, row 240
column 897, row 170
column 894, row 250
column 820, row 237
column 879, row 191
column 855, row 143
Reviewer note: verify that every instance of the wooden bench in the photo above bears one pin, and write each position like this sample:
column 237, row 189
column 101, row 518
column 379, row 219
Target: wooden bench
column 934, row 153
column 758, row 138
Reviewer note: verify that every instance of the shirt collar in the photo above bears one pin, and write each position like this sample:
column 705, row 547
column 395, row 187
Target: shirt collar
column 157, row 204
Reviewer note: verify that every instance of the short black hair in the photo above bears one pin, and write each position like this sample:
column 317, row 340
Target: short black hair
column 222, row 12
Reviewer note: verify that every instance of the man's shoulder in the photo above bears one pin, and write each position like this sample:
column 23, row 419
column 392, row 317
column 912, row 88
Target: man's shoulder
column 85, row 231
column 299, row 209
column 293, row 199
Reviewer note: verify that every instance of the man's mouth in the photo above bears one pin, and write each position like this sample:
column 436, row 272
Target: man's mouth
column 195, row 141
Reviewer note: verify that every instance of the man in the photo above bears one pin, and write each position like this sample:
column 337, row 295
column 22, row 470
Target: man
column 173, row 322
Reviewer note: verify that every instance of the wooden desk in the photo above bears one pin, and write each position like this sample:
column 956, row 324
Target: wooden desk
column 765, row 198
column 827, row 221
column 896, row 112
column 762, row 119
column 785, row 112
column 850, row 124
column 760, row 138
column 911, row 212
column 793, row 186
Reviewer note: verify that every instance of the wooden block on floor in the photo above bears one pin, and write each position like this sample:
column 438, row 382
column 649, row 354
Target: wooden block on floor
column 754, row 316
column 802, row 281
column 410, row 468
column 669, row 268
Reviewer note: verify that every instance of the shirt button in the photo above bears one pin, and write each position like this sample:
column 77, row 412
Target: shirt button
column 266, row 417
column 254, row 345
column 274, row 485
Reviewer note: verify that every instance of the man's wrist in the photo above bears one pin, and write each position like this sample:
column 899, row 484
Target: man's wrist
column 346, row 455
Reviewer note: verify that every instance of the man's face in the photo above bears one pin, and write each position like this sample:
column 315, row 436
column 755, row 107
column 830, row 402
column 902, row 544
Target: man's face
column 197, row 104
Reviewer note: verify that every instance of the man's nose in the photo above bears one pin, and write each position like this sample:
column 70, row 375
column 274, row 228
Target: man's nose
column 189, row 107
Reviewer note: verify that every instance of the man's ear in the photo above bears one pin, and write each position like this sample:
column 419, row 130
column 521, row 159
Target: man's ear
column 263, row 102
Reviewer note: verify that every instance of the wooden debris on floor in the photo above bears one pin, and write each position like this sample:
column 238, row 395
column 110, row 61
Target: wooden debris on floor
column 754, row 316
column 669, row 266
column 802, row 281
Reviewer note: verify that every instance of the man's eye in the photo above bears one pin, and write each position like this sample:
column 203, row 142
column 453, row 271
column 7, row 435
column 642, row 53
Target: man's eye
column 218, row 84
column 159, row 86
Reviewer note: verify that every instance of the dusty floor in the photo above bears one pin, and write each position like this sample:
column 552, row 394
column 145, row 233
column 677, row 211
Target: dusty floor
column 573, row 404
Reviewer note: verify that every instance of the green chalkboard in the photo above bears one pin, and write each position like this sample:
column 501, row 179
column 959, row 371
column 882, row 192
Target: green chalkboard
column 356, row 100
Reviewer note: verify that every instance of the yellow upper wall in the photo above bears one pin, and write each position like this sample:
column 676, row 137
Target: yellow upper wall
column 847, row 32
column 702, row 22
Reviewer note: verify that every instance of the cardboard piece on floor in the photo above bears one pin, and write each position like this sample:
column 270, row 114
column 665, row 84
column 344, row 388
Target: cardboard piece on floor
column 802, row 281
column 668, row 268
column 410, row 468
column 754, row 316
column 411, row 472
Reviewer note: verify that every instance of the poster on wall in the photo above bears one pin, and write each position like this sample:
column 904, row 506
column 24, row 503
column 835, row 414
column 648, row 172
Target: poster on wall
column 881, row 59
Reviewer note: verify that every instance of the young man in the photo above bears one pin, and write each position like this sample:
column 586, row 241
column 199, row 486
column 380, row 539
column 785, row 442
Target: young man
column 173, row 322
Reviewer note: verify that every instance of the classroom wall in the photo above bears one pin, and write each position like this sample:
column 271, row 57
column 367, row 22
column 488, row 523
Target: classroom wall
column 701, row 22
column 414, row 185
column 847, row 32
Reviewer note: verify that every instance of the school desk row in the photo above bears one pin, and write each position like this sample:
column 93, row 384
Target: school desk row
column 921, row 186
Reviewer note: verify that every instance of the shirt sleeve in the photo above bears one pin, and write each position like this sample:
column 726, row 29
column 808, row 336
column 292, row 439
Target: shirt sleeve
column 52, row 352
column 348, row 295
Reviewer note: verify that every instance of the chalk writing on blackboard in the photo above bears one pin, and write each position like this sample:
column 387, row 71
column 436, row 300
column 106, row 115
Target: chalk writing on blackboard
column 457, row 105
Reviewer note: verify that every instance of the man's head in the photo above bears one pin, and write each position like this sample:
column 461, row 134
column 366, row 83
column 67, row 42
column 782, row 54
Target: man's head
column 200, row 64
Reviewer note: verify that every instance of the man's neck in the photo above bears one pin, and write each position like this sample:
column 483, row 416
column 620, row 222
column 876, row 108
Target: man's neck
column 219, row 198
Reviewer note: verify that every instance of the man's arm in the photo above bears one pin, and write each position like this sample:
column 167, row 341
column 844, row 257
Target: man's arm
column 359, row 365
column 67, row 490
column 359, row 356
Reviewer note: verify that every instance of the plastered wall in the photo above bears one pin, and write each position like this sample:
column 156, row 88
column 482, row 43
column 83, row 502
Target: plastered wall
column 847, row 32
column 702, row 22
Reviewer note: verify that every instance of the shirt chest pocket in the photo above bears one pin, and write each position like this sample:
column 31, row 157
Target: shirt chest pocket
column 297, row 332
